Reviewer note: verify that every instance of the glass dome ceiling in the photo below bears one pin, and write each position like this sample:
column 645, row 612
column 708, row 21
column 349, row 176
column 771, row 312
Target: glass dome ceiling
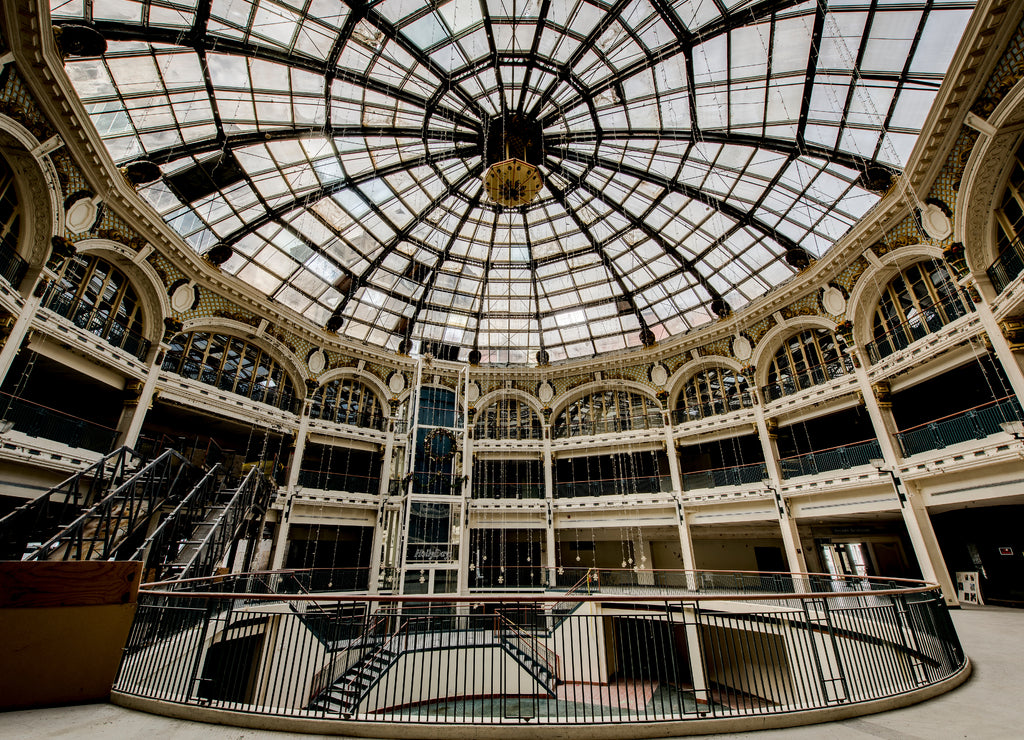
column 687, row 149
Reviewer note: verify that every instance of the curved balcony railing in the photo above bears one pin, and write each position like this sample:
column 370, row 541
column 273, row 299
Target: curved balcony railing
column 512, row 489
column 13, row 266
column 694, row 411
column 817, row 375
column 613, row 486
column 690, row 649
column 902, row 335
column 608, row 426
column 86, row 316
column 833, row 458
column 502, row 431
column 737, row 475
column 348, row 482
column 37, row 420
column 1007, row 266
column 363, row 419
column 976, row 423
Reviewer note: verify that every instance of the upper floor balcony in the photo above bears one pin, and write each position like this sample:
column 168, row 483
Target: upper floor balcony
column 902, row 335
column 841, row 457
column 973, row 424
column 36, row 420
column 98, row 321
column 1007, row 266
column 812, row 376
column 12, row 267
column 608, row 426
column 735, row 475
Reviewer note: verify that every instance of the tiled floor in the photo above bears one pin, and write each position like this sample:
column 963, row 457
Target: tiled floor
column 989, row 705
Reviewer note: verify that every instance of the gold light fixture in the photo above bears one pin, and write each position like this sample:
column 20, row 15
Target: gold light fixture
column 513, row 182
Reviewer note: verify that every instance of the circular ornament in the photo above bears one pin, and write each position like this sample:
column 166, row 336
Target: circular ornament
column 742, row 349
column 935, row 223
column 833, row 301
column 658, row 374
column 82, row 214
column 316, row 361
column 396, row 382
column 440, row 444
column 545, row 392
column 183, row 297
column 472, row 392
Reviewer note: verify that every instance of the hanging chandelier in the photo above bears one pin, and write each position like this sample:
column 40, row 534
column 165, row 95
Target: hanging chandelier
column 513, row 182
column 514, row 146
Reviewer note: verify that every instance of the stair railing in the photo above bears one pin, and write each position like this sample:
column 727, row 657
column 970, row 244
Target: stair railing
column 60, row 503
column 509, row 632
column 336, row 667
column 253, row 493
column 402, row 631
column 98, row 532
column 178, row 525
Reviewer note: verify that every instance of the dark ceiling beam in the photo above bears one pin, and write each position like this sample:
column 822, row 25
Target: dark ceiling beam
column 344, row 184
column 812, row 68
column 737, row 214
column 690, row 266
column 238, row 141
column 782, row 146
column 121, row 31
column 441, row 259
column 389, row 29
column 405, row 233
column 596, row 248
column 542, row 16
column 683, row 44
column 493, row 46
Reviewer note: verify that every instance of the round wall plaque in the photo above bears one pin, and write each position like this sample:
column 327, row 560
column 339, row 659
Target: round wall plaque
column 316, row 361
column 396, row 382
column 545, row 392
column 833, row 301
column 742, row 349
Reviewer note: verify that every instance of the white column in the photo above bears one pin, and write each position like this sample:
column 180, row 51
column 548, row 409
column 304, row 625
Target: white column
column 19, row 330
column 142, row 405
column 465, row 489
column 300, row 448
column 547, row 464
column 915, row 515
column 386, row 467
column 790, row 531
column 685, row 541
column 1002, row 349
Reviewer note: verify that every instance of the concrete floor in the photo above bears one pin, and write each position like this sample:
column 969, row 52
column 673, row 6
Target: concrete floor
column 989, row 705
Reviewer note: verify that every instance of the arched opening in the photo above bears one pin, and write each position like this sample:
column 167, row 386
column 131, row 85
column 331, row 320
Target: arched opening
column 710, row 392
column 919, row 300
column 96, row 296
column 347, row 401
column 233, row 365
column 808, row 358
column 608, row 411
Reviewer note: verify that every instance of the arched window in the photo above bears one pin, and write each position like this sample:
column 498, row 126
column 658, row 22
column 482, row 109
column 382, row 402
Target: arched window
column 233, row 365
column 12, row 266
column 348, row 401
column 508, row 418
column 97, row 297
column 1009, row 217
column 608, row 411
column 921, row 299
column 812, row 357
column 716, row 390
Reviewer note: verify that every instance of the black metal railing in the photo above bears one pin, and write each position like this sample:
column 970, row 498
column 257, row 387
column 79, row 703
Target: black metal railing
column 833, row 458
column 28, row 526
column 349, row 482
column 902, row 335
column 363, row 419
column 609, row 426
column 817, row 375
column 507, row 431
column 252, row 497
column 37, row 420
column 13, row 266
column 507, row 489
column 502, row 660
column 1007, row 266
column 736, row 475
column 86, row 316
column 694, row 411
column 99, row 532
column 613, row 486
column 976, row 423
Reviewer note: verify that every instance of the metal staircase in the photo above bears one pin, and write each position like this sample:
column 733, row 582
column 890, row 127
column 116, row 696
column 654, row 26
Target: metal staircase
column 26, row 528
column 538, row 660
column 344, row 695
column 105, row 530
